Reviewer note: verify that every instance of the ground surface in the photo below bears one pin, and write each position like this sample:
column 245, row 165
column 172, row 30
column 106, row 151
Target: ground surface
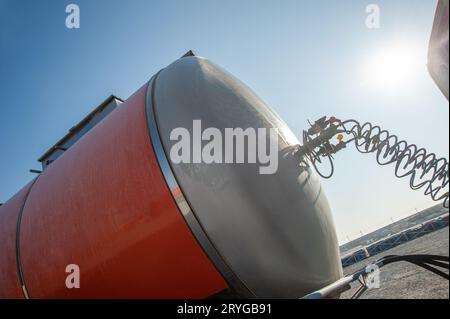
column 403, row 280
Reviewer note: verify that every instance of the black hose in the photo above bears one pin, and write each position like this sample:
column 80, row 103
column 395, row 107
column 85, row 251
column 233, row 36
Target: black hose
column 425, row 170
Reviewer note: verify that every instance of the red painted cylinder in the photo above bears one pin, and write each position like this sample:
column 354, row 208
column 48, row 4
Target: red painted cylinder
column 138, row 225
column 10, row 286
column 105, row 206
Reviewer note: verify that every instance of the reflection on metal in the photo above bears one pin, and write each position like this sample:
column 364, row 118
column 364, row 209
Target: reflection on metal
column 235, row 283
column 275, row 231
column 438, row 48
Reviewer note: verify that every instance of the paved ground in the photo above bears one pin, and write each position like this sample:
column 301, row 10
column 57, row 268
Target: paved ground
column 403, row 280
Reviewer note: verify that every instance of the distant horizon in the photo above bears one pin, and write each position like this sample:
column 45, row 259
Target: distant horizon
column 400, row 218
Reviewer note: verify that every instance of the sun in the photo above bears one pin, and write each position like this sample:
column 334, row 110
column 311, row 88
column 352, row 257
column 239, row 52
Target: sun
column 393, row 68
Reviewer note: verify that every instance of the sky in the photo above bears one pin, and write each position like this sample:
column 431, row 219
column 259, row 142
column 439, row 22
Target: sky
column 305, row 59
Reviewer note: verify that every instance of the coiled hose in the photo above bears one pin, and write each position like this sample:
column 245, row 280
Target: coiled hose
column 425, row 170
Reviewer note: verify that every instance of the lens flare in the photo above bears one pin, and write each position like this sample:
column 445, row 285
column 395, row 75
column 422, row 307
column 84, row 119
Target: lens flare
column 393, row 68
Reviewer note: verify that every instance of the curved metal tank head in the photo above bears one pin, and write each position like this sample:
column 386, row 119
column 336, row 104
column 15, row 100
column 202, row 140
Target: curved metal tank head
column 273, row 232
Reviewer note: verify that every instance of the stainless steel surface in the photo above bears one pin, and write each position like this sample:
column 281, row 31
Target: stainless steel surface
column 333, row 290
column 235, row 283
column 275, row 231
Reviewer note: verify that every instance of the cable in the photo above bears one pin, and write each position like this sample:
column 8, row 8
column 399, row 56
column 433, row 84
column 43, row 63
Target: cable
column 425, row 261
column 362, row 275
column 425, row 170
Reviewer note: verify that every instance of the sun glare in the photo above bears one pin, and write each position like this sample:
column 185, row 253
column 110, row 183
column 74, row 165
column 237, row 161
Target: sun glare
column 393, row 68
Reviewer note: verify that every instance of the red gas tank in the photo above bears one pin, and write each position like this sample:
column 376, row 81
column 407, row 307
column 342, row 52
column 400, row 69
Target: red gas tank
column 139, row 225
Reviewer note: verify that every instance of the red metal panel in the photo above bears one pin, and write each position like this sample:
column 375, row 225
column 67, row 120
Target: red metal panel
column 104, row 206
column 9, row 277
column 438, row 47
